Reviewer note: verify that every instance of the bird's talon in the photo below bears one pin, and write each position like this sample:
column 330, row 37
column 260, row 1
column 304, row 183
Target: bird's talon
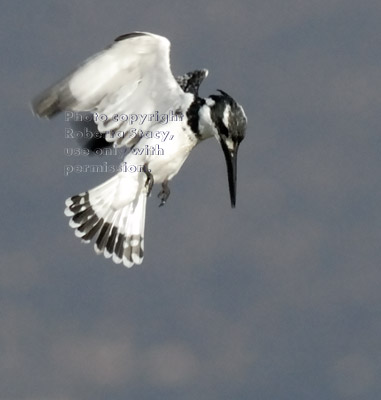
column 164, row 193
column 149, row 181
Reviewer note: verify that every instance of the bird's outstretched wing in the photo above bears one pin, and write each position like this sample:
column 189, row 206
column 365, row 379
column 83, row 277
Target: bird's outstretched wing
column 189, row 83
column 130, row 77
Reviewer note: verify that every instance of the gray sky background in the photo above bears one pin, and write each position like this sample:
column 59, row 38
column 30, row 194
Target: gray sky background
column 277, row 299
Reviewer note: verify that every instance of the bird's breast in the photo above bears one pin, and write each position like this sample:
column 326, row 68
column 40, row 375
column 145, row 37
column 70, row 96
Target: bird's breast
column 164, row 150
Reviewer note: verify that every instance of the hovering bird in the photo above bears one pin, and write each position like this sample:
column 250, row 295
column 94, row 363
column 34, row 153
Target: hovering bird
column 128, row 87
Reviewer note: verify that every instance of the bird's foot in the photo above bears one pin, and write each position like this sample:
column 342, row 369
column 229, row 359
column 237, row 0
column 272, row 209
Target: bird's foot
column 164, row 193
column 149, row 182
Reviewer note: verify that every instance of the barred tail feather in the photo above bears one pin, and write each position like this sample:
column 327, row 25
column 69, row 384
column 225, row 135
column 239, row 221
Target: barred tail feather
column 118, row 233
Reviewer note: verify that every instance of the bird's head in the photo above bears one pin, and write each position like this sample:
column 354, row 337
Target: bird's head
column 230, row 121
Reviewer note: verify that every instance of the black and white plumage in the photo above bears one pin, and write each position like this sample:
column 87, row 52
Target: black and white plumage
column 189, row 83
column 133, row 76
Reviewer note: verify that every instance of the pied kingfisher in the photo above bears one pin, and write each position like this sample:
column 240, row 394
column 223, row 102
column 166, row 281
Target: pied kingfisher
column 133, row 77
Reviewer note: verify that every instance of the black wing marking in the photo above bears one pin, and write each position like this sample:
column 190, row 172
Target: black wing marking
column 191, row 81
column 129, row 36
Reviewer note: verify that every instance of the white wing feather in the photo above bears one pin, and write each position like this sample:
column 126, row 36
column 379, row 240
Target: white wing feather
column 132, row 76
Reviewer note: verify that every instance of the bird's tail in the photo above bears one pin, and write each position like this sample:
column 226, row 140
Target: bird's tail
column 117, row 227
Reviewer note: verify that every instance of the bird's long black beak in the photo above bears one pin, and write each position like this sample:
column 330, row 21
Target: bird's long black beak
column 231, row 164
